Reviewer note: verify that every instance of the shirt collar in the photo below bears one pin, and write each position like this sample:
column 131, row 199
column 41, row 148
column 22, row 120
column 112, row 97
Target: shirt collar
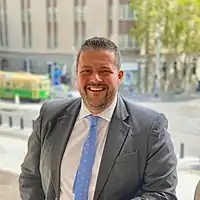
column 106, row 114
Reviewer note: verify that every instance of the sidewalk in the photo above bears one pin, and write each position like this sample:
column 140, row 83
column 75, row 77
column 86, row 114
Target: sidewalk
column 163, row 96
column 15, row 132
column 187, row 184
column 6, row 105
column 194, row 103
column 188, row 177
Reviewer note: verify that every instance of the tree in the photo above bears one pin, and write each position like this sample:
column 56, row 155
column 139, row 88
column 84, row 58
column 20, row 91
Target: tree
column 178, row 22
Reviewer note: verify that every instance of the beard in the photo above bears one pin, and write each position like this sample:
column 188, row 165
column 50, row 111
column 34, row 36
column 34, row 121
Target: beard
column 97, row 102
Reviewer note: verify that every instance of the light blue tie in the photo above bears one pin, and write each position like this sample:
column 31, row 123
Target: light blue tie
column 83, row 174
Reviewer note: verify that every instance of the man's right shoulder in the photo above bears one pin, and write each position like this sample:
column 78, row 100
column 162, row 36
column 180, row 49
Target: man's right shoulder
column 52, row 108
column 51, row 111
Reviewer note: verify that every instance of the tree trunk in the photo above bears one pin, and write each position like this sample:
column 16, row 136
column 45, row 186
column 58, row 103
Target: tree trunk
column 146, row 82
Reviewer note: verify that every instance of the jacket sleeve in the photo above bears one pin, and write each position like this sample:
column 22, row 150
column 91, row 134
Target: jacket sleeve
column 160, row 178
column 30, row 185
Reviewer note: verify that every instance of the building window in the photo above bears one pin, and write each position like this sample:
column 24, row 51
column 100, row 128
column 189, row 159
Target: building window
column 125, row 12
column 3, row 24
column 79, row 13
column 126, row 41
column 26, row 23
column 27, row 66
column 110, row 12
column 52, row 24
column 79, row 22
column 110, row 18
column 76, row 42
column 110, row 9
column 4, row 64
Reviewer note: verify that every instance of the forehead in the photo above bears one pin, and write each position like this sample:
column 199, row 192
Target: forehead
column 91, row 56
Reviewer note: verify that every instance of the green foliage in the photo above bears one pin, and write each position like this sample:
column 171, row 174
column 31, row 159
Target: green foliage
column 177, row 20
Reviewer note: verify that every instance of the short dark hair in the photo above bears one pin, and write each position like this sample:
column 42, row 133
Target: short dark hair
column 99, row 43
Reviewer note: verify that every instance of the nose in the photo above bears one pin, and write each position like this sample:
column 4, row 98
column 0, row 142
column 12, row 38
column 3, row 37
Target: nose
column 96, row 77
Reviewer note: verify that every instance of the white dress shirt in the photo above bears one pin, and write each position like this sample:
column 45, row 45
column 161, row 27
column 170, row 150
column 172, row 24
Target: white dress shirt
column 72, row 154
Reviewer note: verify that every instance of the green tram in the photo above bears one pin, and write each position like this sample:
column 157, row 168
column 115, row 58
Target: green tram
column 25, row 85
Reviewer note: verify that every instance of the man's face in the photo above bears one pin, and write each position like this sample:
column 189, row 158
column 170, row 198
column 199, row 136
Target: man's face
column 98, row 78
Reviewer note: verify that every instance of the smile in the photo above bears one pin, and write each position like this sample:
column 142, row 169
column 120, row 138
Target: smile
column 96, row 89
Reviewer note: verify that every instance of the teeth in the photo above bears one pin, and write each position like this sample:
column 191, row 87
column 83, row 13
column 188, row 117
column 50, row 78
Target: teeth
column 96, row 89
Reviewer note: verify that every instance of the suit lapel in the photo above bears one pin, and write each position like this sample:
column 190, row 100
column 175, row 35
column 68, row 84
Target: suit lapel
column 62, row 131
column 117, row 134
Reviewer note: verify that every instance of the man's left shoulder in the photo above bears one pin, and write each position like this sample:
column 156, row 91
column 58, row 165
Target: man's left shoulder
column 140, row 111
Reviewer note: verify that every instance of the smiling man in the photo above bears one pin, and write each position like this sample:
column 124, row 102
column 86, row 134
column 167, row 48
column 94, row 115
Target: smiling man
column 100, row 146
column 98, row 77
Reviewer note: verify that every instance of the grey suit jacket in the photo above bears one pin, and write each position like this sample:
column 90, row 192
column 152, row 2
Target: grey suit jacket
column 138, row 161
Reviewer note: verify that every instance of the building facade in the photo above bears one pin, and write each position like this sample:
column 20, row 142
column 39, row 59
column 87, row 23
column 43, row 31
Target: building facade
column 36, row 32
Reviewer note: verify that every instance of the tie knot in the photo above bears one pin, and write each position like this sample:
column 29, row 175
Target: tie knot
column 93, row 119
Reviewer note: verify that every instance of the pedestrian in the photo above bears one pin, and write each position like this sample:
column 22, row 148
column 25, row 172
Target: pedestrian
column 155, row 86
column 100, row 146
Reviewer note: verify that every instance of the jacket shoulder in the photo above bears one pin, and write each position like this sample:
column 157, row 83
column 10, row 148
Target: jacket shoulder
column 140, row 113
column 54, row 108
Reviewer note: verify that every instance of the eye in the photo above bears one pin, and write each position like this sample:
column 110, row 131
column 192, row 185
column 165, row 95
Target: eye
column 106, row 71
column 85, row 71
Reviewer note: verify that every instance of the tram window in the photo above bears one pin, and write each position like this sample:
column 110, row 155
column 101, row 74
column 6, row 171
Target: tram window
column 27, row 86
column 8, row 84
column 14, row 85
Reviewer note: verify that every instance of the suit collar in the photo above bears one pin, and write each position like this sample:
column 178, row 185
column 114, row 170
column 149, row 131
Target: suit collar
column 73, row 108
column 121, row 110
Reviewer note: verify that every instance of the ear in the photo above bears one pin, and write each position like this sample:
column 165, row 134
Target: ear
column 120, row 75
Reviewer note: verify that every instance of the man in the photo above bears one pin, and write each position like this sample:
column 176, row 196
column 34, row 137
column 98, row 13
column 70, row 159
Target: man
column 99, row 146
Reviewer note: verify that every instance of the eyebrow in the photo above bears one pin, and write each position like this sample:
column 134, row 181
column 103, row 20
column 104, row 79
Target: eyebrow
column 86, row 66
